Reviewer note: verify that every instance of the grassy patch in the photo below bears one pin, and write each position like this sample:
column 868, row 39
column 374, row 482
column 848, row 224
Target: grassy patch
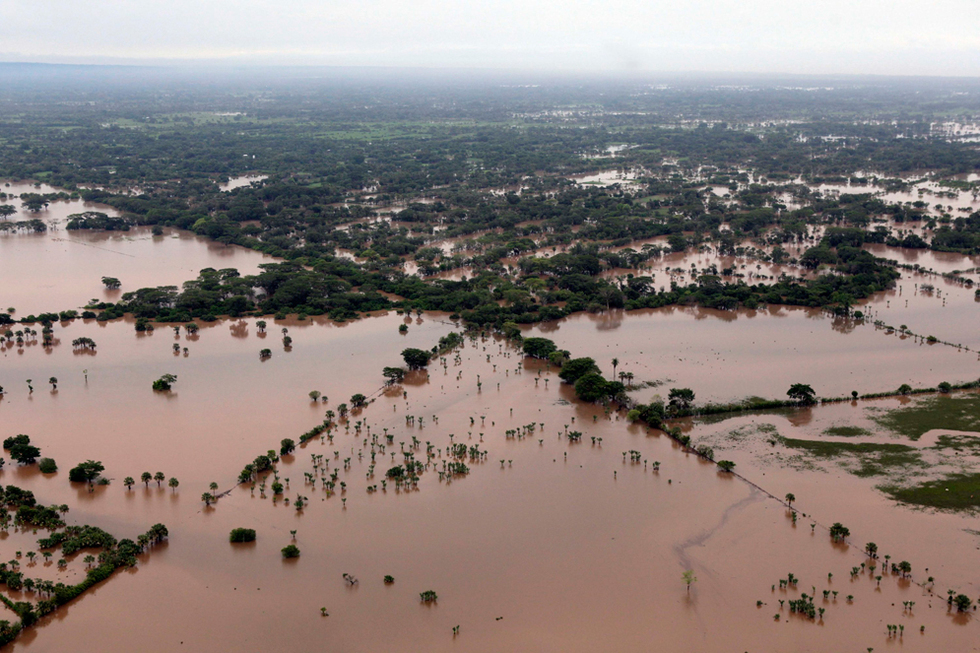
column 847, row 431
column 955, row 492
column 864, row 459
column 823, row 449
column 958, row 442
column 957, row 412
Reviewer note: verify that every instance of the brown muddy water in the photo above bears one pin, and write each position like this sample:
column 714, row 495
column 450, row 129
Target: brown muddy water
column 546, row 545
column 60, row 269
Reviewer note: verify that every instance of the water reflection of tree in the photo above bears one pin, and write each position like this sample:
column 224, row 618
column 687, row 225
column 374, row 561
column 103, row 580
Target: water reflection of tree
column 239, row 329
column 843, row 324
column 607, row 320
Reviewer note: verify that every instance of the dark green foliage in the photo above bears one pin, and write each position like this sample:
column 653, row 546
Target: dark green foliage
column 164, row 383
column 75, row 538
column 15, row 440
column 839, row 532
column 680, row 399
column 593, row 387
column 538, row 347
column 47, row 466
column 15, row 496
column 286, row 447
column 97, row 221
column 25, row 454
column 86, row 472
column 962, row 602
column 393, row 375
column 242, row 535
column 802, row 393
column 576, row 368
column 416, row 359
column 290, row 551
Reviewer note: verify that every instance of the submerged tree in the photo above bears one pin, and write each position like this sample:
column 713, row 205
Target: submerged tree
column 688, row 577
column 802, row 393
column 416, row 359
column 164, row 382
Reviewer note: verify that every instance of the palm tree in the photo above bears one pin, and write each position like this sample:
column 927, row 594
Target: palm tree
column 214, row 488
column 688, row 577
column 615, row 364
column 207, row 498
column 128, row 482
column 173, row 483
column 790, row 498
column 146, row 477
column 54, row 382
column 159, row 478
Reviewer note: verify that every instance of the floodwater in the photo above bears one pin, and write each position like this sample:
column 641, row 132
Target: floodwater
column 563, row 546
column 730, row 355
column 242, row 181
column 546, row 545
column 60, row 269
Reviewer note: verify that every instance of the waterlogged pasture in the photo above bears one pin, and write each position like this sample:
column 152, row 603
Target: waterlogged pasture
column 549, row 542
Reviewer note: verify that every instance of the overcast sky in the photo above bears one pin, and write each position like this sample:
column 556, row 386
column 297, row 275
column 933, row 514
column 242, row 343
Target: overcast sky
column 904, row 37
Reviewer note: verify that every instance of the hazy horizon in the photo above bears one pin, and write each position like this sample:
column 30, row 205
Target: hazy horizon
column 822, row 37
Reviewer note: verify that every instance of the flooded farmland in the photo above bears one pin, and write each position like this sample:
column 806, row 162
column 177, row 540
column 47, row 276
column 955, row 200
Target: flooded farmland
column 547, row 542
column 349, row 366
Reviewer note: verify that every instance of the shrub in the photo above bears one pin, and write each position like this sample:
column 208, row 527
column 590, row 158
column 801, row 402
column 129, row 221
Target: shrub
column 242, row 535
column 290, row 551
column 48, row 466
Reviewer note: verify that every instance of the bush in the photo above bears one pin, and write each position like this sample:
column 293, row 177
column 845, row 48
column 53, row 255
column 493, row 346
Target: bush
column 290, row 551
column 242, row 535
column 48, row 466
